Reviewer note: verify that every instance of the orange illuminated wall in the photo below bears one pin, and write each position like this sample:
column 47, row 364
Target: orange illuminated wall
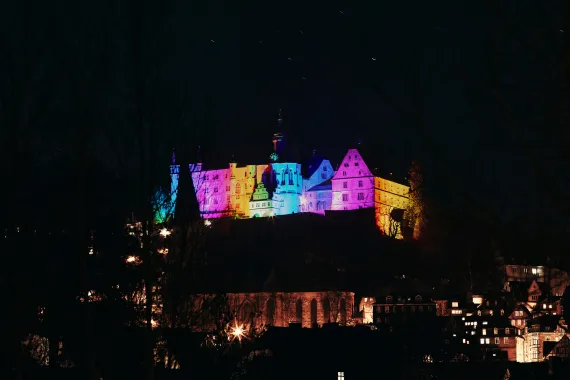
column 389, row 195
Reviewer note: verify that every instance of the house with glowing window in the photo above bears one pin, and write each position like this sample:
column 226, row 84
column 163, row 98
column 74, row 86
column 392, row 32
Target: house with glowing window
column 390, row 200
column 352, row 184
column 538, row 338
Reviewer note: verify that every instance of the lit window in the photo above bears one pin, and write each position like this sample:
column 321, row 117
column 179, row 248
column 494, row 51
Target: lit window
column 484, row 331
column 544, row 306
column 487, row 341
column 496, row 331
column 340, row 376
column 506, row 340
column 479, row 312
column 550, row 306
column 491, row 313
column 502, row 312
column 455, row 304
column 534, row 271
column 484, row 322
column 456, row 312
column 482, row 340
column 386, row 309
column 497, row 340
column 507, row 331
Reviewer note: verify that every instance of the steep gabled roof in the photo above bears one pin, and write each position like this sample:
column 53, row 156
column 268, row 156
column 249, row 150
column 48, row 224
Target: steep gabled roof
column 311, row 166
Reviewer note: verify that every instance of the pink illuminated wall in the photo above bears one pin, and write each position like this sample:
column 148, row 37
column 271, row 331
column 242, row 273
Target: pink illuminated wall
column 352, row 184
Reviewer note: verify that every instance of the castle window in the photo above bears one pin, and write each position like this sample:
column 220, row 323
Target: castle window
column 228, row 188
column 360, row 196
column 506, row 340
column 340, row 376
column 344, row 174
column 360, row 184
column 324, row 175
column 359, row 172
column 342, row 311
column 263, row 204
column 290, row 177
column 496, row 331
column 507, row 331
column 346, row 164
column 326, row 310
column 389, row 299
column 238, row 188
column 228, row 198
column 345, row 197
column 299, row 311
column 345, row 185
column 269, row 204
column 324, row 168
column 215, row 189
column 455, row 304
column 497, row 340
column 356, row 164
column 270, row 310
column 313, row 312
column 418, row 298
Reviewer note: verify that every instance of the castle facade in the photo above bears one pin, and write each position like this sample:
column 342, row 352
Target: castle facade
column 283, row 188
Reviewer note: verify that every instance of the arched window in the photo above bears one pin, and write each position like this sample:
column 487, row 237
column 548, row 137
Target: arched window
column 290, row 177
column 326, row 310
column 313, row 312
column 246, row 312
column 342, row 311
column 418, row 298
column 270, row 312
column 283, row 174
column 299, row 311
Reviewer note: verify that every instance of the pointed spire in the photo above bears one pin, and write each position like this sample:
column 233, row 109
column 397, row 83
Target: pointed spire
column 279, row 119
column 199, row 154
column 173, row 160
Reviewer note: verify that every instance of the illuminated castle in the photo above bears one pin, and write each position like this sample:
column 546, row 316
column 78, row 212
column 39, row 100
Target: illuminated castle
column 282, row 187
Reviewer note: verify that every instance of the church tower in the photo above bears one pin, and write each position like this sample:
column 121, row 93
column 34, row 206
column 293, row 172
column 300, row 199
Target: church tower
column 277, row 138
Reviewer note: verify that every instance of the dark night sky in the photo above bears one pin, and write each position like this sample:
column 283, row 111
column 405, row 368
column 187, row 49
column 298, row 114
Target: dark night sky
column 484, row 79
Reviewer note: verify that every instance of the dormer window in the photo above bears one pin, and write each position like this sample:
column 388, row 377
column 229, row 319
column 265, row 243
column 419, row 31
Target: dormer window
column 418, row 298
column 389, row 299
column 455, row 304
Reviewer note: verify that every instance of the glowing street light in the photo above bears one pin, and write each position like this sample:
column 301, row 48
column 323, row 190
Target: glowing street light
column 237, row 331
column 165, row 232
column 207, row 223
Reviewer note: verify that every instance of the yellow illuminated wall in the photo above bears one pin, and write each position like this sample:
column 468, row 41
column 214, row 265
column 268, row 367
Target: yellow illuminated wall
column 389, row 195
